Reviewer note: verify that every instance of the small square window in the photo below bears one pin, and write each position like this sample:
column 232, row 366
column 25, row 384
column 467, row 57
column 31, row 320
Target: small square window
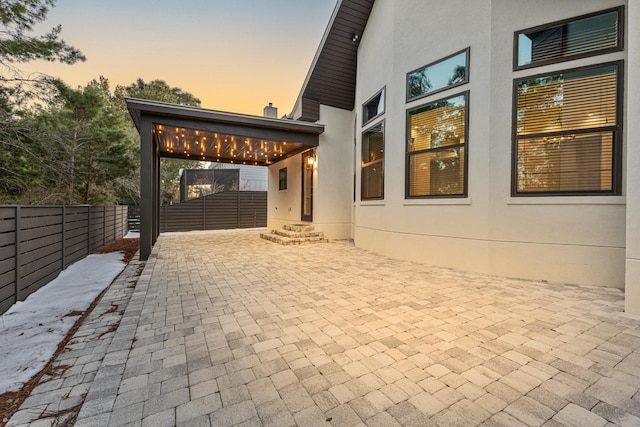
column 373, row 108
column 282, row 179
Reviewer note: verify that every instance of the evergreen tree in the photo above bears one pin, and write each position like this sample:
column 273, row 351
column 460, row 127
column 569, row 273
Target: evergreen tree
column 86, row 142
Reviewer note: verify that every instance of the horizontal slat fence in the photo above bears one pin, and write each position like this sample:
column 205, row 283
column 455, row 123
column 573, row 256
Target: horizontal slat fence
column 134, row 218
column 220, row 211
column 38, row 242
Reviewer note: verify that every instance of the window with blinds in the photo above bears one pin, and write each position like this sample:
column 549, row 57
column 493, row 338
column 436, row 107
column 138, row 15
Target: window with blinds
column 583, row 36
column 372, row 170
column 436, row 149
column 567, row 132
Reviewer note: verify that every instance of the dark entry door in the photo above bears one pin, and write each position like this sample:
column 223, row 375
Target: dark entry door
column 308, row 162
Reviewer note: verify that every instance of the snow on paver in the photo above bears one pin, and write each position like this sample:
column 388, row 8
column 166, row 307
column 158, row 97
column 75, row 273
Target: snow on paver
column 31, row 330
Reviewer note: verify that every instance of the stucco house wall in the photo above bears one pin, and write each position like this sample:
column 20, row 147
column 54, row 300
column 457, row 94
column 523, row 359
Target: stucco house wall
column 332, row 180
column 572, row 239
column 284, row 206
column 632, row 282
column 590, row 240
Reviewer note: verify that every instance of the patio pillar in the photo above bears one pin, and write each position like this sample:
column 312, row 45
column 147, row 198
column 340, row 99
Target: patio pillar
column 632, row 270
column 148, row 188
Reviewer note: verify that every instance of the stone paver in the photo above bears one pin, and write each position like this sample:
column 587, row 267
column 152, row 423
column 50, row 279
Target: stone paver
column 227, row 329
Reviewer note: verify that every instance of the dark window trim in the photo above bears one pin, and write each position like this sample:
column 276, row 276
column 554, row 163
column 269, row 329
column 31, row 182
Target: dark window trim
column 363, row 165
column 286, row 179
column 384, row 105
column 467, row 50
column 303, row 157
column 618, row 48
column 617, row 131
column 408, row 154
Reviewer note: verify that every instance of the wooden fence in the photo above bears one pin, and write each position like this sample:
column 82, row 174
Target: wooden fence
column 225, row 210
column 38, row 242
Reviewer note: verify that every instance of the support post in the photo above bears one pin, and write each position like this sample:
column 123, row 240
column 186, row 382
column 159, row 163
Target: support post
column 147, row 189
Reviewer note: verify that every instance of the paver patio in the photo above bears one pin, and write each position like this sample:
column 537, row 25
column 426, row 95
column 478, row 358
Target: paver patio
column 231, row 330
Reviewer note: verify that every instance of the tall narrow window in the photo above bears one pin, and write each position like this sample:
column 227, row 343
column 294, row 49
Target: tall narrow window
column 568, row 132
column 586, row 35
column 372, row 170
column 282, row 179
column 436, row 149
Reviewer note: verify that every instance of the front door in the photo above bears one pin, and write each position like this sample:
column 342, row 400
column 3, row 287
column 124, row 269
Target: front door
column 308, row 162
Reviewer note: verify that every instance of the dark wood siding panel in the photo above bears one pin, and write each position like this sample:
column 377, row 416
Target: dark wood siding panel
column 332, row 81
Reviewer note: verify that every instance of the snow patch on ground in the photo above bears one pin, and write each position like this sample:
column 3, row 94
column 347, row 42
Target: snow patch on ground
column 31, row 330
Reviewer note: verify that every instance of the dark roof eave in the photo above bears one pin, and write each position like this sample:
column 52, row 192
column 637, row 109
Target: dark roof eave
column 349, row 18
column 137, row 107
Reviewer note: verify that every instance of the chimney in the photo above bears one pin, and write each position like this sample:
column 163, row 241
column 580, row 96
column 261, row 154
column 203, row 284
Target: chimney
column 270, row 111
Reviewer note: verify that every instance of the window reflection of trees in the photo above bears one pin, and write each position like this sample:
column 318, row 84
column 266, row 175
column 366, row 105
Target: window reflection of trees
column 440, row 75
column 564, row 138
column 436, row 148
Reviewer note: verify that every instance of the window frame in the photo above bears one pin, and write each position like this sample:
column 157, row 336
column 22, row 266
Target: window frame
column 384, row 106
column 618, row 48
column 382, row 160
column 408, row 154
column 617, row 130
column 467, row 52
column 283, row 176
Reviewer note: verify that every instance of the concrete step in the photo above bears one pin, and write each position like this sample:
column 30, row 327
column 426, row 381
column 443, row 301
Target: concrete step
column 299, row 227
column 289, row 233
column 283, row 240
column 295, row 234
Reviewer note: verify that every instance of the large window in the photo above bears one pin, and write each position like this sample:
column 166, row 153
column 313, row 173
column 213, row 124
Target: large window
column 586, row 35
column 372, row 178
column 568, row 132
column 436, row 148
column 443, row 74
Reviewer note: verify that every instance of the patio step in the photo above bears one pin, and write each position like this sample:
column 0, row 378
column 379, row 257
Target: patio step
column 295, row 234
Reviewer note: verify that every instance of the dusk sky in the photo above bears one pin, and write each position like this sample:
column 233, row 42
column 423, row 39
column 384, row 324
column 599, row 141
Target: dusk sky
column 235, row 55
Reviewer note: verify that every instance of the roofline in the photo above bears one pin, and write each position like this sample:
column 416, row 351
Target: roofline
column 312, row 68
column 137, row 107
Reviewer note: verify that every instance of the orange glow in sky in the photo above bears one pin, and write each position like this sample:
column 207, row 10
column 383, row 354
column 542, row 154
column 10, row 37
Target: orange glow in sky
column 235, row 55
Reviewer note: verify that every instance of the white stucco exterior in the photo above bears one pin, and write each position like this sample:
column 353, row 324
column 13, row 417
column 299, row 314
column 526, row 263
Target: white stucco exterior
column 563, row 239
column 332, row 180
column 632, row 282
column 589, row 240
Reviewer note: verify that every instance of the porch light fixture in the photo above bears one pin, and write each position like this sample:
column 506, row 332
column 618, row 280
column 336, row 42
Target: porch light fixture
column 311, row 160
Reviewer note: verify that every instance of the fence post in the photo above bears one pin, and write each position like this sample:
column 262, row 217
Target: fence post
column 104, row 225
column 64, row 240
column 115, row 222
column 204, row 213
column 18, row 237
column 238, row 209
column 88, row 230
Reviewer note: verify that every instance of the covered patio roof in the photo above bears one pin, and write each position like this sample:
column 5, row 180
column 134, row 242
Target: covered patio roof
column 208, row 135
column 178, row 131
